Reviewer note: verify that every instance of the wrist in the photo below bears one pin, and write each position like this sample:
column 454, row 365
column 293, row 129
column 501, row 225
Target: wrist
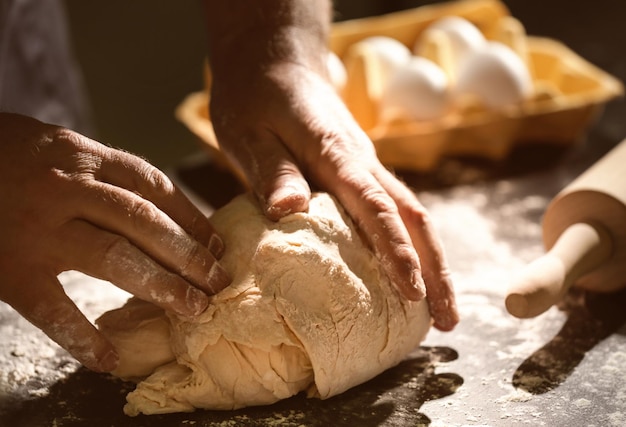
column 255, row 35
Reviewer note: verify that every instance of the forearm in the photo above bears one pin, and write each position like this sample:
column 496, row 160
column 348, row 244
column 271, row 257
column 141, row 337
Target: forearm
column 244, row 33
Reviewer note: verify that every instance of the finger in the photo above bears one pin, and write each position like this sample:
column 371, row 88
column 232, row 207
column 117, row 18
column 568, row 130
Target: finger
column 44, row 303
column 435, row 269
column 126, row 214
column 113, row 258
column 132, row 173
column 376, row 214
column 273, row 173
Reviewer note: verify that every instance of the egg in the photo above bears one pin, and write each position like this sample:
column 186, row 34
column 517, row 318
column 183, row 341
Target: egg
column 336, row 71
column 495, row 75
column 388, row 53
column 418, row 90
column 461, row 36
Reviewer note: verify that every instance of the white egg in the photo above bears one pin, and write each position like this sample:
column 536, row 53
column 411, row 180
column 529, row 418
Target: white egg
column 388, row 52
column 496, row 75
column 418, row 90
column 463, row 37
column 336, row 71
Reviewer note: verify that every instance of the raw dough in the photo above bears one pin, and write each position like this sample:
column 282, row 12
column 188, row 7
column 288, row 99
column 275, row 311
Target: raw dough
column 309, row 309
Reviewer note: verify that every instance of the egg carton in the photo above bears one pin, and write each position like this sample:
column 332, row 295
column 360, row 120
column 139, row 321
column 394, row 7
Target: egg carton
column 568, row 92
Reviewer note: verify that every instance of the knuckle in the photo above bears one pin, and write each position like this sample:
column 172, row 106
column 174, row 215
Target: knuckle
column 69, row 140
column 417, row 214
column 80, row 162
column 113, row 247
column 406, row 253
column 157, row 180
column 142, row 211
column 66, row 136
column 380, row 201
column 341, row 145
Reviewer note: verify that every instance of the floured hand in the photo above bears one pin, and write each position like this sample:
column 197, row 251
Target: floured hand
column 279, row 119
column 70, row 203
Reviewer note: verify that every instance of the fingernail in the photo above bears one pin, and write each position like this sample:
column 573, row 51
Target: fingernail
column 217, row 279
column 285, row 200
column 446, row 323
column 109, row 361
column 197, row 301
column 216, row 246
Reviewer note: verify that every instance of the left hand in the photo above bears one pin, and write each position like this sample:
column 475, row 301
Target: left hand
column 71, row 203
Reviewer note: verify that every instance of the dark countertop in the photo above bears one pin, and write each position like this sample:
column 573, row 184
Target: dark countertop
column 566, row 367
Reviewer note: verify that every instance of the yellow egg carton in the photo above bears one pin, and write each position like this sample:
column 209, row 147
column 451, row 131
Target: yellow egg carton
column 568, row 92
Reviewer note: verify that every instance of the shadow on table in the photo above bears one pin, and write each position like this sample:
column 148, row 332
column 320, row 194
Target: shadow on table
column 392, row 398
column 592, row 317
column 468, row 170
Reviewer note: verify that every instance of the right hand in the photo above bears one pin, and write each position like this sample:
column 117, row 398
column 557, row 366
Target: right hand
column 277, row 117
column 71, row 203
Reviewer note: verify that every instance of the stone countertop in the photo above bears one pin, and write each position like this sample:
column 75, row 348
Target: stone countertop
column 565, row 367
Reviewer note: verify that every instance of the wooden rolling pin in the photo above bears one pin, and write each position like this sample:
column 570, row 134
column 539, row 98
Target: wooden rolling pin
column 584, row 233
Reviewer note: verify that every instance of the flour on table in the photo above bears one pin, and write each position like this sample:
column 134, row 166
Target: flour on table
column 309, row 309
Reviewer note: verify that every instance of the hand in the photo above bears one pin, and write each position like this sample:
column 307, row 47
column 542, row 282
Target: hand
column 278, row 118
column 70, row 203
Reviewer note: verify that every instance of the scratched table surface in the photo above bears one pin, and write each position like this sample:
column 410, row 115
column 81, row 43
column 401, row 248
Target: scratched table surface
column 566, row 367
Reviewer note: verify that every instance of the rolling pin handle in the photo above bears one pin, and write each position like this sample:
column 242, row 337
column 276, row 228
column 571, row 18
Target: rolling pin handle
column 580, row 249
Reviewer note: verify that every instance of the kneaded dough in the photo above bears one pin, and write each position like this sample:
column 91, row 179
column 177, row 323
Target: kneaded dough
column 309, row 309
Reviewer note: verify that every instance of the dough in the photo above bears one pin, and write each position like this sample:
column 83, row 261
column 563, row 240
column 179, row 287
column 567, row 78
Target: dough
column 309, row 309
